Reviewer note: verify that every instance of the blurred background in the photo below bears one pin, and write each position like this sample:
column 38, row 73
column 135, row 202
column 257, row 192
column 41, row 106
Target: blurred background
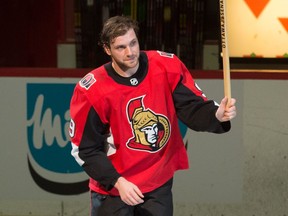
column 64, row 33
column 34, row 33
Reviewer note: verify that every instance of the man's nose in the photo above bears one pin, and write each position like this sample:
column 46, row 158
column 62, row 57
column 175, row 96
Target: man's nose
column 128, row 50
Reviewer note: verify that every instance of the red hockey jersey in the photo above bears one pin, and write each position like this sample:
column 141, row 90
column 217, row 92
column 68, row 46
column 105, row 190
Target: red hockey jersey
column 129, row 126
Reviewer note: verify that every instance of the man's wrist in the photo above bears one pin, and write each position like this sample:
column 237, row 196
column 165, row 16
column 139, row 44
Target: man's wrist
column 116, row 184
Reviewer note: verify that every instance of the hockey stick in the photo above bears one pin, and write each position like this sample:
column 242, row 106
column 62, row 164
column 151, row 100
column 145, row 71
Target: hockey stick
column 225, row 51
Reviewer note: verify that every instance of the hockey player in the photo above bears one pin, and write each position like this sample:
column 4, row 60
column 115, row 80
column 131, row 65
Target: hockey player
column 124, row 124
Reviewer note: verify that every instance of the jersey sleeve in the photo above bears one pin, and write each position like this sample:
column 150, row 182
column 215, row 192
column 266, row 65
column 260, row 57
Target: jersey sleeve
column 88, row 138
column 192, row 106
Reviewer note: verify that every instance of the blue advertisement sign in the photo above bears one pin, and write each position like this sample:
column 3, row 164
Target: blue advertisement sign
column 48, row 119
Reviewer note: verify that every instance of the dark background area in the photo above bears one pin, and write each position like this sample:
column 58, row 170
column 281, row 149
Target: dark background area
column 31, row 30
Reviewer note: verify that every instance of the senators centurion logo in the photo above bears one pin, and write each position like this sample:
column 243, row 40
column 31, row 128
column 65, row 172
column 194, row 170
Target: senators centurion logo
column 151, row 131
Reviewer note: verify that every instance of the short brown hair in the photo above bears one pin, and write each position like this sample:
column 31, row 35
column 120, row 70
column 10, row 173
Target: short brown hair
column 116, row 26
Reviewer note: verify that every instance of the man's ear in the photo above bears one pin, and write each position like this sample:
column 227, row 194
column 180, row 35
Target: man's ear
column 107, row 50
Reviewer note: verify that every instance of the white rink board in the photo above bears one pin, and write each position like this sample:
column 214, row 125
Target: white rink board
column 215, row 174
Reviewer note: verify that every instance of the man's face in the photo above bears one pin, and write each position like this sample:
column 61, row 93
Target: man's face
column 124, row 51
column 151, row 133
